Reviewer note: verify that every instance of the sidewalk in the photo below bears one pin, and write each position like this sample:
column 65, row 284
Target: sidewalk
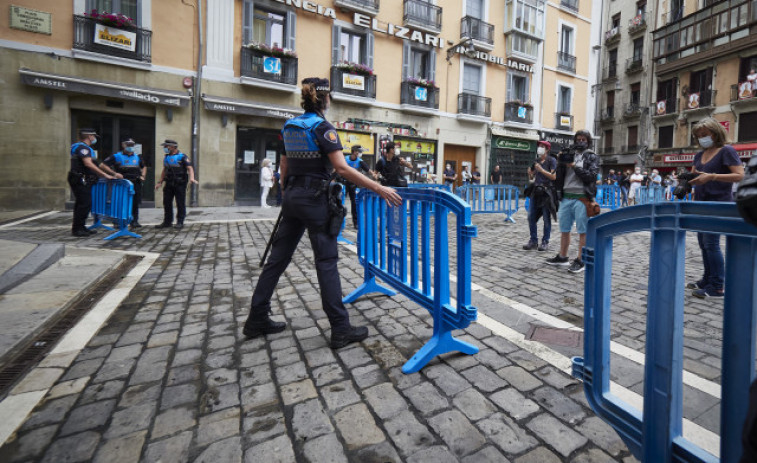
column 169, row 376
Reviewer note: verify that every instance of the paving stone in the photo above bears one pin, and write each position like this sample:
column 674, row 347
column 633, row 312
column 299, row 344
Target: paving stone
column 324, row 448
column 487, row 454
column 291, row 373
column 263, row 423
column 221, row 376
column 354, row 357
column 79, row 447
column 111, row 370
column 484, row 379
column 180, row 394
column 319, row 357
column 193, row 341
column 88, row 416
column 132, row 419
column 286, row 356
column 328, row 374
column 447, row 379
column 385, row 401
column 562, row 438
column 473, row 404
column 555, row 378
column 559, row 405
column 51, row 411
column 357, row 427
column 186, row 357
column 527, row 360
column 251, row 359
column 539, row 455
column 500, row 345
column 133, row 337
column 519, row 378
column 166, row 327
column 170, row 450
column 151, row 366
column 218, row 426
column 27, row 446
column 378, row 453
column 339, row 395
column 102, row 391
column 228, row 450
column 309, row 420
column 426, row 398
column 436, row 454
column 457, row 432
column 408, row 434
column 38, row 379
column 68, row 387
column 82, row 369
column 183, row 374
column 260, row 374
column 163, row 339
column 602, row 434
column 386, row 354
column 506, row 434
column 125, row 449
column 298, row 392
column 139, row 394
column 591, row 456
column 369, row 375
column 492, row 359
column 263, row 395
column 172, row 421
column 514, row 403
column 278, row 450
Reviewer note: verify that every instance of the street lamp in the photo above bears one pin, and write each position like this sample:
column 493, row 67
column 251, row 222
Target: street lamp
column 470, row 50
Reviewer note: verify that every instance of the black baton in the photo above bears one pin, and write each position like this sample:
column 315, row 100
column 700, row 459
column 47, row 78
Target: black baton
column 270, row 239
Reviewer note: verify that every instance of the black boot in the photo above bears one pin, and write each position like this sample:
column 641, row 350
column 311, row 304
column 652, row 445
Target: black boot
column 263, row 325
column 353, row 334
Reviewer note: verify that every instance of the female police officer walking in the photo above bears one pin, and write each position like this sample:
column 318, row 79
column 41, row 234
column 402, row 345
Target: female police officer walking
column 312, row 147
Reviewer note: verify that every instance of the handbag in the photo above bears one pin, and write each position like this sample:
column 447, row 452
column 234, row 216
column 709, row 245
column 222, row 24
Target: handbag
column 592, row 207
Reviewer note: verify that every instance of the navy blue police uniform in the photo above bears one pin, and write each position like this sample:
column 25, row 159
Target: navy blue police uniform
column 130, row 166
column 81, row 179
column 359, row 165
column 308, row 139
column 176, row 187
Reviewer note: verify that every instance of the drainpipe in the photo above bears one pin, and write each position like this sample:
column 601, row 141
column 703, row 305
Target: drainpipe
column 196, row 110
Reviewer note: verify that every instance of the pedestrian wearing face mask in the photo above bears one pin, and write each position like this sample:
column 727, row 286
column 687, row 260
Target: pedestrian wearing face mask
column 717, row 167
column 355, row 160
column 542, row 200
column 177, row 170
column 81, row 177
column 133, row 169
column 636, row 180
column 449, row 175
column 390, row 167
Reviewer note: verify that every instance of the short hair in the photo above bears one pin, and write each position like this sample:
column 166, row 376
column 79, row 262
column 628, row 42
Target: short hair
column 389, row 146
column 719, row 135
column 584, row 133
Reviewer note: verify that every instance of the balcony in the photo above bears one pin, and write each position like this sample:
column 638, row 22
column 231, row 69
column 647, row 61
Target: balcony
column 700, row 100
column 563, row 121
column 515, row 111
column 632, row 110
column 572, row 5
column 474, row 105
column 606, row 151
column 136, row 45
column 419, row 99
column 610, row 72
column 608, row 115
column 369, row 7
column 481, row 32
column 422, row 15
column 634, row 65
column 566, row 62
column 629, row 149
column 637, row 24
column 350, row 87
column 612, row 36
column 666, row 107
column 742, row 93
column 261, row 69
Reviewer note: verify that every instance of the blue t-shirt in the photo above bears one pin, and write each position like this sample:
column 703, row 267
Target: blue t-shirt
column 549, row 164
column 719, row 164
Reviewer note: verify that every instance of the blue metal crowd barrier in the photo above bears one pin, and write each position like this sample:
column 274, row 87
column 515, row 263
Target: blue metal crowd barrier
column 112, row 200
column 609, row 196
column 489, row 199
column 394, row 244
column 340, row 238
column 650, row 194
column 435, row 186
column 654, row 434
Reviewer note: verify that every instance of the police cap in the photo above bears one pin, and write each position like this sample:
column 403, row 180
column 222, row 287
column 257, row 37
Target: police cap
column 86, row 132
column 357, row 149
column 169, row 143
column 128, row 141
column 321, row 85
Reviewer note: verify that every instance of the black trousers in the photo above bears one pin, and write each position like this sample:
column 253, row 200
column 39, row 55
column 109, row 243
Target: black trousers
column 179, row 192
column 82, row 202
column 351, row 191
column 137, row 199
column 301, row 211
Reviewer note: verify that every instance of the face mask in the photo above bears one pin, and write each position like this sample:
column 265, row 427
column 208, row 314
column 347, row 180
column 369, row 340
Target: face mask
column 705, row 142
column 165, row 150
column 582, row 145
column 93, row 142
column 541, row 151
column 397, row 152
column 129, row 149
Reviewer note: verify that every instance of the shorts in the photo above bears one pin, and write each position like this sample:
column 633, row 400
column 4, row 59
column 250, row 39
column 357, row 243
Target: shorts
column 572, row 210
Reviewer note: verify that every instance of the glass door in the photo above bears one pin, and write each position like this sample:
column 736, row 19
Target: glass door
column 254, row 145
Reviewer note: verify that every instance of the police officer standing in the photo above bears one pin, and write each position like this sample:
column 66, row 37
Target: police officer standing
column 133, row 169
column 312, row 147
column 177, row 170
column 81, row 177
column 354, row 160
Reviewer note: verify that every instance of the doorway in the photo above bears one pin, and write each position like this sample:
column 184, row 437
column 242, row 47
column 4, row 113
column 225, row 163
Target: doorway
column 111, row 128
column 458, row 156
column 254, row 145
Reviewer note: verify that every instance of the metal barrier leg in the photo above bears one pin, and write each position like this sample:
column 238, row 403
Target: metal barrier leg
column 368, row 286
column 440, row 343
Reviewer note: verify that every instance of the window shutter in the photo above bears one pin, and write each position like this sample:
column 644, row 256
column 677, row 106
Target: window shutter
column 247, row 17
column 432, row 65
column 406, row 55
column 369, row 50
column 336, row 33
column 509, row 90
column 291, row 30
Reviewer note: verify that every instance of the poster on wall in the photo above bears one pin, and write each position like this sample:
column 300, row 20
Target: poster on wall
column 350, row 139
column 249, row 157
column 271, row 156
column 116, row 38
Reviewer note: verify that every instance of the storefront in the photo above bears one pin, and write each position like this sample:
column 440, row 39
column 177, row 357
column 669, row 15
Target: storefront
column 514, row 151
column 672, row 160
column 421, row 152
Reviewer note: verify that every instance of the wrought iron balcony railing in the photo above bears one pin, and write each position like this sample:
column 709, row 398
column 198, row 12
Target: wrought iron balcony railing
column 665, row 107
column 696, row 100
column 637, row 24
column 518, row 112
column 610, row 72
column 259, row 65
column 606, row 150
column 343, row 81
column 477, row 30
column 742, row 91
column 608, row 114
column 370, row 7
column 566, row 62
column 138, row 47
column 634, row 65
column 612, row 36
column 417, row 95
column 423, row 14
column 468, row 103
column 632, row 110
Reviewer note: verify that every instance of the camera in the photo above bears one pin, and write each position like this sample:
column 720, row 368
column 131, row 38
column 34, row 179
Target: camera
column 567, row 155
column 684, row 187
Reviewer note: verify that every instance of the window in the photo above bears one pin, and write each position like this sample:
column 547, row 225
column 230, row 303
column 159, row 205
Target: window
column 125, row 7
column 665, row 137
column 701, row 82
column 564, row 97
column 676, row 10
column 418, row 61
column 520, row 44
column 475, row 8
column 641, row 7
column 566, row 40
column 638, row 49
column 270, row 27
column 608, row 141
column 666, row 90
column 471, row 79
column 353, row 46
column 746, row 65
column 747, row 123
column 611, row 103
column 615, row 21
column 517, row 87
column 635, row 94
column 633, row 136
column 526, row 16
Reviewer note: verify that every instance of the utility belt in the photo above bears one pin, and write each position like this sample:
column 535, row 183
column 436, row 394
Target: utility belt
column 333, row 190
column 84, row 179
column 309, row 183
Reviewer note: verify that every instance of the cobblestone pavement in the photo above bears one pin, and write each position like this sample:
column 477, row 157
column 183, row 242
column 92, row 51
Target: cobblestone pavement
column 171, row 378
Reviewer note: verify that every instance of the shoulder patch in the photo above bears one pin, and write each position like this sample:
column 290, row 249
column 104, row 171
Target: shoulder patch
column 331, row 136
column 84, row 151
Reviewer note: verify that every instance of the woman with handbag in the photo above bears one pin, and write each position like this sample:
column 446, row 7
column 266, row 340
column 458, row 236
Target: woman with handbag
column 266, row 182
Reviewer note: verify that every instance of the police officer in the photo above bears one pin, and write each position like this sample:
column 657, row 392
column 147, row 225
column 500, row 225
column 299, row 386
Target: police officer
column 177, row 169
column 81, row 177
column 131, row 166
column 354, row 160
column 312, row 147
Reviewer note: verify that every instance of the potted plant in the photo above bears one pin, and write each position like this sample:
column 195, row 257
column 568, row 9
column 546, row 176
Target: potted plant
column 117, row 20
column 354, row 68
column 421, row 82
column 526, row 104
column 274, row 50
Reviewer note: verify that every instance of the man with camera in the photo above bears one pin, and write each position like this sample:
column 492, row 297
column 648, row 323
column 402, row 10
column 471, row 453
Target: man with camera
column 541, row 196
column 577, row 170
column 390, row 166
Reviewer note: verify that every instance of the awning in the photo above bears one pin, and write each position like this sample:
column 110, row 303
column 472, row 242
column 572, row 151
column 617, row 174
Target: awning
column 230, row 105
column 103, row 88
column 514, row 133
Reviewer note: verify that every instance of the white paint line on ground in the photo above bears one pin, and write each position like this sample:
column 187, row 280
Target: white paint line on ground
column 28, row 219
column 15, row 408
column 145, row 224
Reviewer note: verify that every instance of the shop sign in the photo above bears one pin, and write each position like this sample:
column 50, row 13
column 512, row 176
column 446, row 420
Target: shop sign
column 557, row 140
column 227, row 105
column 509, row 144
column 350, row 139
column 420, row 149
column 29, row 20
column 565, row 121
column 116, row 38
column 353, row 81
column 271, row 65
column 744, row 154
column 421, row 94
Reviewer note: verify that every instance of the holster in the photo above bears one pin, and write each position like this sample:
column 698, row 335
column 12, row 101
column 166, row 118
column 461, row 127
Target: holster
column 337, row 211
